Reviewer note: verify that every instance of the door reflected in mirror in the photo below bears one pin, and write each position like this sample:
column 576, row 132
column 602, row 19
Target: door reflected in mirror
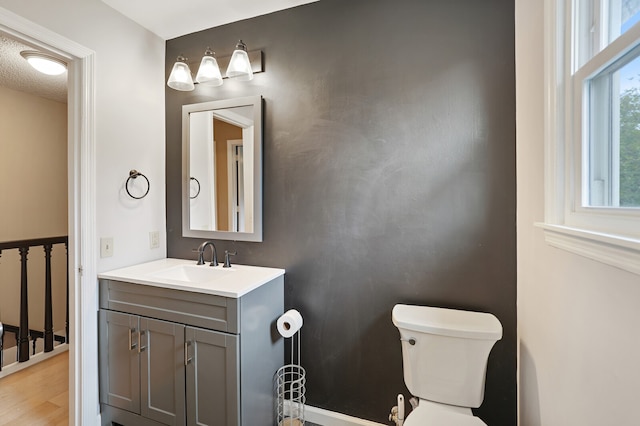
column 222, row 169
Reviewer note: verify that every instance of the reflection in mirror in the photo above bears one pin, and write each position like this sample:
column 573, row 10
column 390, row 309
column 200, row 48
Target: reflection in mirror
column 222, row 173
column 216, row 156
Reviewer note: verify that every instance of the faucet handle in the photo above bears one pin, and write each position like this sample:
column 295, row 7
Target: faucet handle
column 227, row 253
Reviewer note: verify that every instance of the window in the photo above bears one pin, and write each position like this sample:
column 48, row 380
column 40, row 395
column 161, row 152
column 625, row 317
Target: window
column 593, row 129
column 611, row 103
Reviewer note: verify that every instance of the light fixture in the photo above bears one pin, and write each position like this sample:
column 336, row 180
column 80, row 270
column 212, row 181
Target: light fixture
column 180, row 77
column 239, row 65
column 46, row 64
column 209, row 72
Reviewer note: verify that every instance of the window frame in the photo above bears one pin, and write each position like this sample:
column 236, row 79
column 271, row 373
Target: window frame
column 608, row 234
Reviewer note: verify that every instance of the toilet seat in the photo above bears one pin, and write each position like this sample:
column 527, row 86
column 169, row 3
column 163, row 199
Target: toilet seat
column 423, row 416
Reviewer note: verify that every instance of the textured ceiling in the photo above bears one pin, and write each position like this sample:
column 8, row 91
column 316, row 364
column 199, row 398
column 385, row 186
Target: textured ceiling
column 17, row 74
column 170, row 19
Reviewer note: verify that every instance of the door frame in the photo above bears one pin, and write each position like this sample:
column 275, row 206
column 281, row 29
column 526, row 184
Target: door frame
column 83, row 347
column 235, row 195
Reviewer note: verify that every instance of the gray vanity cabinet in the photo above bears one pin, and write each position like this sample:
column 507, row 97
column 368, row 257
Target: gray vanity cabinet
column 120, row 381
column 171, row 357
column 143, row 372
column 212, row 377
column 162, row 378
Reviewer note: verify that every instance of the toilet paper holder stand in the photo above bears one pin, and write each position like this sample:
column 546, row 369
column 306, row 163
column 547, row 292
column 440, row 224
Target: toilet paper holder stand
column 291, row 388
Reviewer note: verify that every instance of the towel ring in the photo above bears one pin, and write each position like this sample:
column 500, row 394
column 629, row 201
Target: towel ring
column 133, row 174
column 197, row 193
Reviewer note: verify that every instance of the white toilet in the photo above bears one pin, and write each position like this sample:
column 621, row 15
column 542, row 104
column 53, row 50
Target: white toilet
column 444, row 354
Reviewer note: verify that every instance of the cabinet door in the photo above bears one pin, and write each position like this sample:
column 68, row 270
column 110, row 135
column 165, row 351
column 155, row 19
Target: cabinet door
column 213, row 389
column 119, row 366
column 162, row 371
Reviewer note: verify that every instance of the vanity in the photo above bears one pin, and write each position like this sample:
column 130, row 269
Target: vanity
column 187, row 344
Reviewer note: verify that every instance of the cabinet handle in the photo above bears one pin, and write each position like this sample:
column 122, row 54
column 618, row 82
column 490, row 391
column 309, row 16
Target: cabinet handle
column 132, row 344
column 187, row 360
column 140, row 347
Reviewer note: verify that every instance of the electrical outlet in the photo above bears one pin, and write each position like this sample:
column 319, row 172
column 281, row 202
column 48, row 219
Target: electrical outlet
column 154, row 239
column 106, row 247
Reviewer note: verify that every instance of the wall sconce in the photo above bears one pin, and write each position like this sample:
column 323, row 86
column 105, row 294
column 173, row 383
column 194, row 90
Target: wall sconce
column 209, row 72
column 240, row 66
column 46, row 64
column 180, row 77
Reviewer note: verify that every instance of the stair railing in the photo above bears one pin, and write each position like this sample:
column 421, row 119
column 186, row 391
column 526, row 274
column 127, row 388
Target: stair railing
column 23, row 333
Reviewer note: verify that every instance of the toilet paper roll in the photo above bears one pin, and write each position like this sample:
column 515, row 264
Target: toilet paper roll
column 289, row 323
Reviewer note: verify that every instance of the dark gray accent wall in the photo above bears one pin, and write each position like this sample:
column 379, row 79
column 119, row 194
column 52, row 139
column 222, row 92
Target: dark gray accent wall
column 389, row 177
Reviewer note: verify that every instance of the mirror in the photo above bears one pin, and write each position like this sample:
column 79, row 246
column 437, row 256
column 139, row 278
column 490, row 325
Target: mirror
column 222, row 169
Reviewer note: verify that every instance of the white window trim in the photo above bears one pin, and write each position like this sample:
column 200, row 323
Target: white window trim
column 600, row 234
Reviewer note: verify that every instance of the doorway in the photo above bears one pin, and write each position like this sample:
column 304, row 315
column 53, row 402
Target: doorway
column 83, row 380
column 34, row 222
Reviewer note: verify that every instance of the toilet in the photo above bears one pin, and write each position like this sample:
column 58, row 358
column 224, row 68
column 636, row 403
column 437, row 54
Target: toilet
column 444, row 355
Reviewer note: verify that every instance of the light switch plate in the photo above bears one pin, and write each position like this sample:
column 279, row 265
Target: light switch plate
column 106, row 247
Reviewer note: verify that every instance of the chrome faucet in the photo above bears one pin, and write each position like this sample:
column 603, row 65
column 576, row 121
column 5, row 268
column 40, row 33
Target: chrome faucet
column 214, row 255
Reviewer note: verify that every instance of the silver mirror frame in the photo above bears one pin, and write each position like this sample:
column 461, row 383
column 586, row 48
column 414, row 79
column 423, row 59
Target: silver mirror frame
column 256, row 235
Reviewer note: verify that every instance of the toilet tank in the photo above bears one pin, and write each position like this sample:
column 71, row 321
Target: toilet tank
column 445, row 352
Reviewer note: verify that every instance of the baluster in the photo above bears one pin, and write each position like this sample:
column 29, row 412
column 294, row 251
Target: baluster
column 23, row 334
column 1, row 344
column 66, row 324
column 48, row 311
column 1, row 338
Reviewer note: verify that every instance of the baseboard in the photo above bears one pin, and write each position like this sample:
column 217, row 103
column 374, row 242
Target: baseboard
column 331, row 418
column 34, row 359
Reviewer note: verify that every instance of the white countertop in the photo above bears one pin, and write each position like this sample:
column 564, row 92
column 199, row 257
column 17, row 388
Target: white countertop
column 231, row 282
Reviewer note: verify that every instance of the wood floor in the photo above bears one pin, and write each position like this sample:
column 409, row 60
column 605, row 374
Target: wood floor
column 38, row 395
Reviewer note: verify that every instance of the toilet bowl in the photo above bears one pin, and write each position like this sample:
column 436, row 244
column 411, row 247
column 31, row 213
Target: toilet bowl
column 444, row 355
column 435, row 414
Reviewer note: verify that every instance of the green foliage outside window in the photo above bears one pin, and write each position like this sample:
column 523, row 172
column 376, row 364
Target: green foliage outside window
column 630, row 148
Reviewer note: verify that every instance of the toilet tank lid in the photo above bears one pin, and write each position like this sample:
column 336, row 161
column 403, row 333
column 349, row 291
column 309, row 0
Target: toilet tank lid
column 447, row 322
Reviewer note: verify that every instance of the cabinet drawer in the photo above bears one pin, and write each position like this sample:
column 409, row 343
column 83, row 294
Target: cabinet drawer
column 197, row 309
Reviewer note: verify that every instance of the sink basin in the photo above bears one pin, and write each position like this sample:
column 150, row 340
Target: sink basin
column 192, row 273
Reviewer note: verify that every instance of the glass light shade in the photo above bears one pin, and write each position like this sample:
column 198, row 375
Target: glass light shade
column 180, row 77
column 209, row 72
column 239, row 66
column 44, row 63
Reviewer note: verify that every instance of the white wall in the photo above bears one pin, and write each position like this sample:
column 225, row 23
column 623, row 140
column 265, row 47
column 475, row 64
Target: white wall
column 129, row 118
column 202, row 166
column 578, row 319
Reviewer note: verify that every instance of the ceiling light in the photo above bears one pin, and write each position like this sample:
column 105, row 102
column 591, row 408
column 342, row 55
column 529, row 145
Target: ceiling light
column 180, row 77
column 209, row 71
column 240, row 66
column 46, row 64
